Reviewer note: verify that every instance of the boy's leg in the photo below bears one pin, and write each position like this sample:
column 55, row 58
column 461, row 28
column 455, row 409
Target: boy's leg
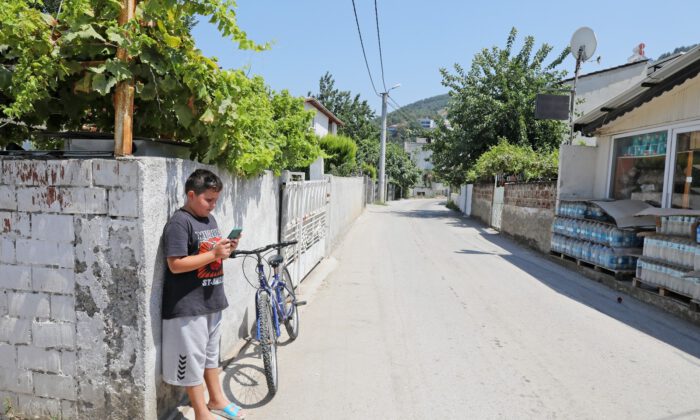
column 217, row 399
column 184, row 357
column 196, row 395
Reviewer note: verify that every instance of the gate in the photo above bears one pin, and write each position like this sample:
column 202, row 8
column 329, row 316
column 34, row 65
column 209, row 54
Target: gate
column 304, row 218
column 497, row 205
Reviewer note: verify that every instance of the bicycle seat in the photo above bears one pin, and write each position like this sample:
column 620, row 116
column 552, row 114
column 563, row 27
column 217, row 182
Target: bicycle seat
column 276, row 260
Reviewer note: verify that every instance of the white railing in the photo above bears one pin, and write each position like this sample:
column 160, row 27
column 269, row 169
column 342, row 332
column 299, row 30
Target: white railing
column 304, row 219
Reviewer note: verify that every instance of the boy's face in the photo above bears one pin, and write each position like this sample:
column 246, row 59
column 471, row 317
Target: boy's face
column 202, row 204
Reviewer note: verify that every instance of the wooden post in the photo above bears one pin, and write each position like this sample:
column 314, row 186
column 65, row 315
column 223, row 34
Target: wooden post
column 124, row 94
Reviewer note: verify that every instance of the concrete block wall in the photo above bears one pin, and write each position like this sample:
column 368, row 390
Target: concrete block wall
column 482, row 202
column 248, row 203
column 528, row 212
column 81, row 275
column 69, row 288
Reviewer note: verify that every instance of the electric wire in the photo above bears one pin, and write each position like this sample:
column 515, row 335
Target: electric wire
column 399, row 108
column 379, row 41
column 359, row 32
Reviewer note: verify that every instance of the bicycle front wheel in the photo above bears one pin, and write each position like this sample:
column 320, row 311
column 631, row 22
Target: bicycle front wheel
column 291, row 312
column 268, row 341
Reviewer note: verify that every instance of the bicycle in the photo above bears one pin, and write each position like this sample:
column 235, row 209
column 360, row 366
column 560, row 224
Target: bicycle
column 269, row 312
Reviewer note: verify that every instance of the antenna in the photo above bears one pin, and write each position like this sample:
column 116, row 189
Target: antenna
column 583, row 44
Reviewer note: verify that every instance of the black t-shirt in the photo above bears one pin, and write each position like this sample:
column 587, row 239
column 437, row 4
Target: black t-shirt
column 197, row 292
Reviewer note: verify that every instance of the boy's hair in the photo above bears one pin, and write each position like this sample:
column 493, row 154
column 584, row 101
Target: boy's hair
column 202, row 180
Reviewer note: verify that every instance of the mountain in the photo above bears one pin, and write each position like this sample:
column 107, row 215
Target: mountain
column 433, row 107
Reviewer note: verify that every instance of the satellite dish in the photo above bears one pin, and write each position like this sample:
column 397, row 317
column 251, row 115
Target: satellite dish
column 583, row 44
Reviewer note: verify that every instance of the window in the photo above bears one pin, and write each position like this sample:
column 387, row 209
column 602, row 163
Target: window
column 638, row 167
column 686, row 171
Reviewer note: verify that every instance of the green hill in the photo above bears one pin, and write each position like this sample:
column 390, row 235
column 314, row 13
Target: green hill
column 409, row 115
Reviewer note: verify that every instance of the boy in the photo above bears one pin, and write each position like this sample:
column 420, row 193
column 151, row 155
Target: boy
column 193, row 297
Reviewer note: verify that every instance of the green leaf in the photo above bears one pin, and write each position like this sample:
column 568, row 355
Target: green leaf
column 148, row 92
column 5, row 78
column 207, row 117
column 114, row 36
column 85, row 32
column 171, row 41
column 84, row 84
column 184, row 115
column 102, row 84
column 119, row 69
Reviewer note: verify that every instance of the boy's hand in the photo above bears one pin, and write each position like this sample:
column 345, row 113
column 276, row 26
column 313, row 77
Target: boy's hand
column 234, row 243
column 223, row 249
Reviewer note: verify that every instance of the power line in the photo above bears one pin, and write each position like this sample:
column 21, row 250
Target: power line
column 362, row 44
column 379, row 41
column 399, row 109
column 401, row 113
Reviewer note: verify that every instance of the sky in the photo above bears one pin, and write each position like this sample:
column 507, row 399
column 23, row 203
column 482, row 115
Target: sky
column 310, row 37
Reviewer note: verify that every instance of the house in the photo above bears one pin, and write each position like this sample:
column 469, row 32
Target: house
column 324, row 123
column 427, row 123
column 647, row 139
column 594, row 89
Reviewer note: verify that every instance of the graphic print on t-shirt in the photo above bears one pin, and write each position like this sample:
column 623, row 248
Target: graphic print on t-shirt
column 214, row 270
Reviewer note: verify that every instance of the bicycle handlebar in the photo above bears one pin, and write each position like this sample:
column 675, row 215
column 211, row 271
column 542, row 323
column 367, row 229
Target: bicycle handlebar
column 263, row 249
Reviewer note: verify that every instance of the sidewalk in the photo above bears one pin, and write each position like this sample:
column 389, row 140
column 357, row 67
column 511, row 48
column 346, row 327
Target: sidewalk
column 243, row 377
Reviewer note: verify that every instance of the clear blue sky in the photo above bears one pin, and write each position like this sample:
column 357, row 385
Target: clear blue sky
column 311, row 37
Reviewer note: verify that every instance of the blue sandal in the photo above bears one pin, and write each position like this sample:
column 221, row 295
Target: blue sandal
column 231, row 412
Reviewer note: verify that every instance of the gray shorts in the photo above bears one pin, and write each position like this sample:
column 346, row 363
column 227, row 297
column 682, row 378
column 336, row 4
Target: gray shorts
column 190, row 344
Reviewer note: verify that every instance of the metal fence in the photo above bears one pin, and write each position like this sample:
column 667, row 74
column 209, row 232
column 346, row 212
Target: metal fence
column 304, row 218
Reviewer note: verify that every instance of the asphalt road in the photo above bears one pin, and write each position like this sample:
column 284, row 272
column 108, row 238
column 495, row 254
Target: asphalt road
column 429, row 315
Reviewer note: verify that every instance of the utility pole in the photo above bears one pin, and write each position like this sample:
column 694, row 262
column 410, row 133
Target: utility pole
column 382, row 147
column 382, row 152
column 124, row 94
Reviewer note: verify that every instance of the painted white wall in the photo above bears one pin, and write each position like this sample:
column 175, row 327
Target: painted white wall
column 577, row 169
column 594, row 90
column 321, row 121
column 347, row 201
column 597, row 89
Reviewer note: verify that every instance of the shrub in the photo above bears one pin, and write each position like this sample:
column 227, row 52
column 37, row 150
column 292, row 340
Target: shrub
column 340, row 153
column 521, row 161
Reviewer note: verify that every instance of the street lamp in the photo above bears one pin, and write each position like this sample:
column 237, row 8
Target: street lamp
column 382, row 146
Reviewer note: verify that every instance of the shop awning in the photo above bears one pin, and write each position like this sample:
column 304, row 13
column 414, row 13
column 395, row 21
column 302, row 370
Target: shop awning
column 662, row 80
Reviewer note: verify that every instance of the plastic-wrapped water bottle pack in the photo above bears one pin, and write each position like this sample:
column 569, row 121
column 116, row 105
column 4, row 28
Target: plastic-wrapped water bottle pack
column 596, row 232
column 677, row 226
column 677, row 251
column 593, row 253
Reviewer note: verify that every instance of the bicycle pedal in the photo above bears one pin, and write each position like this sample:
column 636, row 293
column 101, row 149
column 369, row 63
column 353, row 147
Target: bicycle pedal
column 300, row 303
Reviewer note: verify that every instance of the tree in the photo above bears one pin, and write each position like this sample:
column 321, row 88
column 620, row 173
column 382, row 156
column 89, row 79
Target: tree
column 400, row 169
column 355, row 113
column 495, row 100
column 60, row 73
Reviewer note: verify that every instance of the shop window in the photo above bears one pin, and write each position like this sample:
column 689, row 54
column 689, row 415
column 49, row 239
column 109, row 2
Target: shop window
column 686, row 171
column 638, row 167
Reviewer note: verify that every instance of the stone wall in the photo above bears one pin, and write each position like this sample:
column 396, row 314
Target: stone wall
column 528, row 213
column 482, row 201
column 81, row 275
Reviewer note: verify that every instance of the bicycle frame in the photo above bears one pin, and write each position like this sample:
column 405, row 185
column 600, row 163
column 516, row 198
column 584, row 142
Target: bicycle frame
column 274, row 290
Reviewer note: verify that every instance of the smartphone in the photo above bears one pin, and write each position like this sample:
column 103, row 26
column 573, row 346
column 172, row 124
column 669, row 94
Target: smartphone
column 235, row 233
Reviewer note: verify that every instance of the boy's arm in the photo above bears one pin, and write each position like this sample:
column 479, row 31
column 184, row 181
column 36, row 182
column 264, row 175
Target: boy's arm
column 221, row 250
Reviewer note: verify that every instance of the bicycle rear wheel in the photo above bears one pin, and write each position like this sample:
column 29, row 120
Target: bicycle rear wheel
column 291, row 324
column 268, row 341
